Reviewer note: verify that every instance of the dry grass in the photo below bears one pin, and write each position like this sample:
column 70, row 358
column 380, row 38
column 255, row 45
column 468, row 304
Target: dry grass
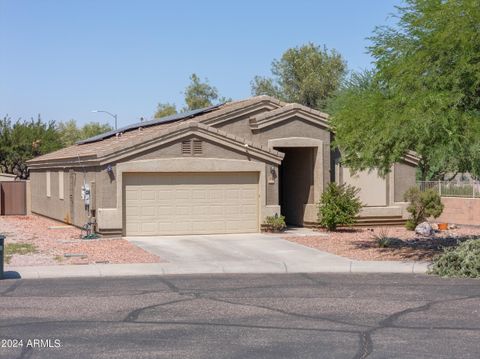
column 19, row 249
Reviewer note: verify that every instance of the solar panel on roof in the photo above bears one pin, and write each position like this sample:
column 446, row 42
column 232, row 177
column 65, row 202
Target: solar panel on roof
column 159, row 121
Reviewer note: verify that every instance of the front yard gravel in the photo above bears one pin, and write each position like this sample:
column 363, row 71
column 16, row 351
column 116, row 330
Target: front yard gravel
column 53, row 240
column 359, row 243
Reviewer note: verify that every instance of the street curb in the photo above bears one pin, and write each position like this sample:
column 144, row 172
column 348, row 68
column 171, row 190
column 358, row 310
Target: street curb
column 152, row 269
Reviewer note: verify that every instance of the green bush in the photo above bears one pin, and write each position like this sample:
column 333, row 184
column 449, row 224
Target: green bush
column 275, row 223
column 422, row 205
column 410, row 225
column 462, row 261
column 339, row 205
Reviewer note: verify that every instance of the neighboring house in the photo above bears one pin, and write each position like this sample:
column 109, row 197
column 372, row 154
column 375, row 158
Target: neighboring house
column 222, row 169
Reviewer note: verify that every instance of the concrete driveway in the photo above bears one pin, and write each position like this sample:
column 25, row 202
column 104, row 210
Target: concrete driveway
column 240, row 253
column 233, row 253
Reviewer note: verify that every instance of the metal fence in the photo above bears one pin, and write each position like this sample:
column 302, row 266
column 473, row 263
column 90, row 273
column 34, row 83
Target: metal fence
column 466, row 189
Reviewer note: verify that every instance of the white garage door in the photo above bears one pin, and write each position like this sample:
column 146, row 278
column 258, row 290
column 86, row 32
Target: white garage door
column 190, row 203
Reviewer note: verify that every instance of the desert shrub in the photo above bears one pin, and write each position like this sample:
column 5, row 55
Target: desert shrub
column 462, row 261
column 275, row 223
column 422, row 205
column 382, row 239
column 339, row 205
column 410, row 225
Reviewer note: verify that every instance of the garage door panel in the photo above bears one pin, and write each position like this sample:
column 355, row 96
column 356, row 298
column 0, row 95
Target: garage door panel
column 192, row 203
column 147, row 195
column 163, row 212
column 131, row 194
column 247, row 210
column 148, row 211
column 199, row 194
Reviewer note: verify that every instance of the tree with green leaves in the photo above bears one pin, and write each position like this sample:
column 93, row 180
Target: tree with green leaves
column 23, row 140
column 94, row 128
column 70, row 133
column 165, row 109
column 423, row 94
column 199, row 94
column 308, row 75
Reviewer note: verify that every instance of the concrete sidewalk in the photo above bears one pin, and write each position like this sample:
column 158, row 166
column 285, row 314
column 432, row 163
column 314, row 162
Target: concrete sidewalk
column 115, row 270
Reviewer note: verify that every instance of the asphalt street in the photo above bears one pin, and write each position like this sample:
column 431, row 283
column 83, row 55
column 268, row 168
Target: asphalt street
column 241, row 316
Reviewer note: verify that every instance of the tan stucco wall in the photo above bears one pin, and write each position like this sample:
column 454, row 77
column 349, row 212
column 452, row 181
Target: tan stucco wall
column 404, row 178
column 48, row 206
column 239, row 125
column 373, row 187
column 209, row 148
column 271, row 172
column 460, row 211
column 106, row 187
column 53, row 206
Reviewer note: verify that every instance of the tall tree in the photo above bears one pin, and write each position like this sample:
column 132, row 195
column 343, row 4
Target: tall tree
column 165, row 109
column 423, row 95
column 70, row 133
column 93, row 128
column 308, row 75
column 199, row 94
column 23, row 140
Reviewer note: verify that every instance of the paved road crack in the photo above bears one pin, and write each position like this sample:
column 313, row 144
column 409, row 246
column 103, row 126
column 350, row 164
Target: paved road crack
column 133, row 315
column 298, row 315
column 366, row 343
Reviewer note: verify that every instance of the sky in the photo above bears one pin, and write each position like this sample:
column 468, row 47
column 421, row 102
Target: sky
column 63, row 59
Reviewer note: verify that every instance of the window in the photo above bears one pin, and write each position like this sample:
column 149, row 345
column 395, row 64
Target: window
column 61, row 191
column 48, row 184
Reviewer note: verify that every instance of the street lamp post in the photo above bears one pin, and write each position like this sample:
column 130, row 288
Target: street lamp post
column 108, row 113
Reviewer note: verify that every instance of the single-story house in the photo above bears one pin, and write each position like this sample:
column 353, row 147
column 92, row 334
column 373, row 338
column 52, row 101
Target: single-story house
column 220, row 169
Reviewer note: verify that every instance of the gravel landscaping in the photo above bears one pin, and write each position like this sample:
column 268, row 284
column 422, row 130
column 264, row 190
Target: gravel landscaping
column 50, row 243
column 360, row 244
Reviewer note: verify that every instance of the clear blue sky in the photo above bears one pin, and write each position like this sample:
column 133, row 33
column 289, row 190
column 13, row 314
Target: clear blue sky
column 63, row 59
